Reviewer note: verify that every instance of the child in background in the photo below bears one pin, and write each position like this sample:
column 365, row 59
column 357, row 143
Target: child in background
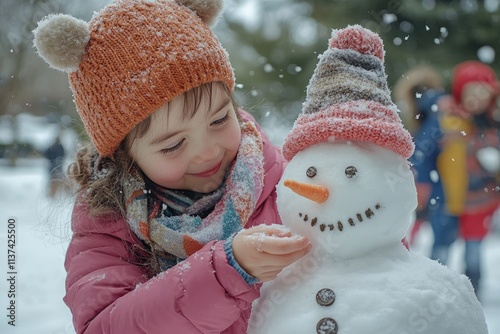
column 468, row 163
column 177, row 189
column 417, row 93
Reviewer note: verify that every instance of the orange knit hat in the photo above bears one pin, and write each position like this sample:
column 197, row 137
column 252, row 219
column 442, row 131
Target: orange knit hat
column 133, row 57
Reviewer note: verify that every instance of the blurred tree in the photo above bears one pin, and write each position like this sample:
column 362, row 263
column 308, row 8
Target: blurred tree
column 17, row 20
column 442, row 33
column 273, row 47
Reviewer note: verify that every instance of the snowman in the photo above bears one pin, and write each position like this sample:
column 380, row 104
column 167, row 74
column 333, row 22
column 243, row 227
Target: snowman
column 348, row 188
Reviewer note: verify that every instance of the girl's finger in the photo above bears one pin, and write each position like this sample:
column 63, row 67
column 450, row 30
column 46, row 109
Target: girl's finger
column 268, row 230
column 278, row 245
column 272, row 261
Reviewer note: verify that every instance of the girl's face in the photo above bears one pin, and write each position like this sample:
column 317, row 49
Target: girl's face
column 190, row 153
column 476, row 97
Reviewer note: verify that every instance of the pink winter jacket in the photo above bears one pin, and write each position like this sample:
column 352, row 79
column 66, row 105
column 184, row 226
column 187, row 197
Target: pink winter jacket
column 108, row 289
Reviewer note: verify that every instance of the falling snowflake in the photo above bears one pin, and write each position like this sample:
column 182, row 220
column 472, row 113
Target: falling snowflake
column 268, row 68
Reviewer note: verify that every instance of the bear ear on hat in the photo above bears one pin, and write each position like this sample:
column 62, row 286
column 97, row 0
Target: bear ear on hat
column 60, row 40
column 207, row 10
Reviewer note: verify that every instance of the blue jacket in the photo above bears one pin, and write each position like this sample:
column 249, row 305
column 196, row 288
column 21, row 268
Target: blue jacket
column 427, row 146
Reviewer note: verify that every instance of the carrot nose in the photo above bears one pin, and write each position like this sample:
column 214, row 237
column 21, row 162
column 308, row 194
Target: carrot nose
column 314, row 192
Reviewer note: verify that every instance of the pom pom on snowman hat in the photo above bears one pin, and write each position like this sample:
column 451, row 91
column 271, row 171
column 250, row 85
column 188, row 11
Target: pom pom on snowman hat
column 348, row 98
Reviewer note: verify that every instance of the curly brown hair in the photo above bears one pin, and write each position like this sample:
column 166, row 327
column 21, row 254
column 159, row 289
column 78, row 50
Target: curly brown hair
column 99, row 180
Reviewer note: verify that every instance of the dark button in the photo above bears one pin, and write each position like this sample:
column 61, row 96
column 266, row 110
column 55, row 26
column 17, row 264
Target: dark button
column 327, row 326
column 325, row 297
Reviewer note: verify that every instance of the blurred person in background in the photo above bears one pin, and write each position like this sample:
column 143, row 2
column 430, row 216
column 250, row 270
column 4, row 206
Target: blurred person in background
column 55, row 155
column 417, row 93
column 468, row 163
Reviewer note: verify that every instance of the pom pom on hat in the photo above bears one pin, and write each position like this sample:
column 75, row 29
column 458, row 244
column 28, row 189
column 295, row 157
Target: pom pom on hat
column 348, row 98
column 60, row 40
column 208, row 11
column 133, row 57
column 358, row 39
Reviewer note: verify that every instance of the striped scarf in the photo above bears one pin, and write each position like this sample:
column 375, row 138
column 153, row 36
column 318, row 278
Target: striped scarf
column 176, row 224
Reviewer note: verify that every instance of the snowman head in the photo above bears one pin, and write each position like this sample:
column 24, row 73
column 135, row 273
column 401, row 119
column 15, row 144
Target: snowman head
column 348, row 198
column 348, row 185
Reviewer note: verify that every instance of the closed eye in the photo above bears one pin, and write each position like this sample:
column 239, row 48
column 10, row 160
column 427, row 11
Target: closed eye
column 173, row 148
column 221, row 121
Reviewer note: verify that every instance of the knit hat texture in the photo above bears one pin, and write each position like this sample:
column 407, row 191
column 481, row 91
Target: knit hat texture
column 133, row 57
column 469, row 72
column 348, row 98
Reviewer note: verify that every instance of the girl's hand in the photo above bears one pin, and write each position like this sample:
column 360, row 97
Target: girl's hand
column 263, row 251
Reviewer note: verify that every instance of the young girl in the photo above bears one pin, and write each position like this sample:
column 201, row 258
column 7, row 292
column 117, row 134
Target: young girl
column 176, row 180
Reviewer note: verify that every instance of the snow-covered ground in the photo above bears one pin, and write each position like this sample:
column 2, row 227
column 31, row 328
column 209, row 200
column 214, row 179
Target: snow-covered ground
column 42, row 234
column 41, row 227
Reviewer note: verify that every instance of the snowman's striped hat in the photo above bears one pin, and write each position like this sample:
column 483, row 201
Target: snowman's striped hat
column 348, row 98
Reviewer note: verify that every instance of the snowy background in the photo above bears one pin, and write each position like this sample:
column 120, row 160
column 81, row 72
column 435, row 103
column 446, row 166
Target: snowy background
column 43, row 234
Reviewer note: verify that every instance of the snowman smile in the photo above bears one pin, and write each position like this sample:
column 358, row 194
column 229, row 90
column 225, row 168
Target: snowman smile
column 359, row 217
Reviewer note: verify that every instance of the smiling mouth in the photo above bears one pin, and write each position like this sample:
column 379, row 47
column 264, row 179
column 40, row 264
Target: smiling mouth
column 359, row 217
column 211, row 171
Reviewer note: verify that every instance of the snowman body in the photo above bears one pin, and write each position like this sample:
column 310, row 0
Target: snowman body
column 388, row 291
column 358, row 277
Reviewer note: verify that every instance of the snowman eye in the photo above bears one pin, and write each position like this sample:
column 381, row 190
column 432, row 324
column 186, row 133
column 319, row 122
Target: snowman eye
column 351, row 171
column 311, row 171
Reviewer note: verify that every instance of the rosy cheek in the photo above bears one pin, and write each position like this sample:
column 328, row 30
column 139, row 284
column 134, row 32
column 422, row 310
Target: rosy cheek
column 235, row 139
column 168, row 175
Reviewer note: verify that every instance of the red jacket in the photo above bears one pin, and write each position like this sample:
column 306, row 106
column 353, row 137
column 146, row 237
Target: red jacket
column 108, row 289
